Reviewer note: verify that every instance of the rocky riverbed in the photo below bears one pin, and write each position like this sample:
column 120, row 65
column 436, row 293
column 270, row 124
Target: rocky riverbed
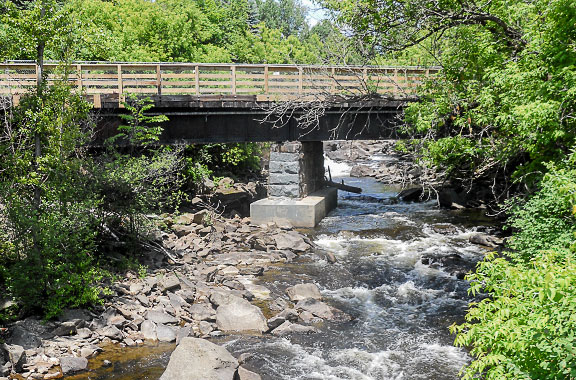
column 203, row 286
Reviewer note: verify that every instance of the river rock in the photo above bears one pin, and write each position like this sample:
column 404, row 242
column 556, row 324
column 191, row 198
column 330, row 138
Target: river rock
column 159, row 316
column 449, row 198
column 71, row 364
column 293, row 328
column 240, row 316
column 21, row 336
column 291, row 240
column 165, row 333
column 316, row 307
column 485, row 240
column 244, row 374
column 302, row 291
column 411, row 195
column 112, row 332
column 202, row 312
column 169, row 283
column 361, row 171
column 199, row 359
column 65, row 329
column 16, row 355
column 148, row 330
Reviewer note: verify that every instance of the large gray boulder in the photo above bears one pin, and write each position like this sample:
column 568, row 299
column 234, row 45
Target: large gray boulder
column 199, row 359
column 303, row 291
column 241, row 316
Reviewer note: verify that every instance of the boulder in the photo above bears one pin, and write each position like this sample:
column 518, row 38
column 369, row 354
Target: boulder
column 240, row 316
column 202, row 312
column 71, row 364
column 412, row 195
column 159, row 316
column 165, row 333
column 169, row 283
column 361, row 171
column 317, row 308
column 21, row 336
column 112, row 332
column 16, row 356
column 199, row 359
column 293, row 328
column 148, row 330
column 449, row 198
column 291, row 240
column 302, row 291
column 485, row 240
column 244, row 374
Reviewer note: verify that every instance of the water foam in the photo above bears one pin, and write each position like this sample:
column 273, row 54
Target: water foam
column 337, row 169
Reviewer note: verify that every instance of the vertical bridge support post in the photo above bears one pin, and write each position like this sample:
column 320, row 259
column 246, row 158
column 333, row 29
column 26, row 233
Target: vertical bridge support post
column 296, row 192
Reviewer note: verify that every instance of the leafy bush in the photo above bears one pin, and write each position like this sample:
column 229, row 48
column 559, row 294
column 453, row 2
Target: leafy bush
column 48, row 203
column 526, row 327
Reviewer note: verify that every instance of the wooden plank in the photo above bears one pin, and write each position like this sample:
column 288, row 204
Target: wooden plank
column 190, row 75
column 215, row 90
column 214, row 76
column 209, row 84
column 158, row 80
column 250, row 76
column 120, row 85
column 188, row 90
column 233, row 79
column 97, row 101
column 197, row 80
column 131, row 83
column 266, row 79
column 139, row 76
column 342, row 186
column 183, row 83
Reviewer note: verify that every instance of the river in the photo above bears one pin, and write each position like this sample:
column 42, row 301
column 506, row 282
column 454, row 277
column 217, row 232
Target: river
column 401, row 308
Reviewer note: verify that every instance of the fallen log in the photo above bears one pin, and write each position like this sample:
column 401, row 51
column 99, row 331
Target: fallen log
column 342, row 186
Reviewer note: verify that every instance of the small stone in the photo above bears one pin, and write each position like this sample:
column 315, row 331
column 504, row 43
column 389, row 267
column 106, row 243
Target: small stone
column 106, row 363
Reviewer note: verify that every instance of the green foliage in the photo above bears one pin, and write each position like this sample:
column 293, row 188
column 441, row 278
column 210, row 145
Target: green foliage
column 49, row 249
column 525, row 328
column 506, row 89
column 142, row 129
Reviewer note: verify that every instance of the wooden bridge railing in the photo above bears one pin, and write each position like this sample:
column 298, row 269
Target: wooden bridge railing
column 265, row 82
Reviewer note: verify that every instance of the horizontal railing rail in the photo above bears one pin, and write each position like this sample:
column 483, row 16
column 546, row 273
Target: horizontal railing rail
column 264, row 82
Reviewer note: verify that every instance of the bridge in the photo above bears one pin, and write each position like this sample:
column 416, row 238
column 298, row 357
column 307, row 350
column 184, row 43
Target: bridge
column 223, row 102
column 208, row 103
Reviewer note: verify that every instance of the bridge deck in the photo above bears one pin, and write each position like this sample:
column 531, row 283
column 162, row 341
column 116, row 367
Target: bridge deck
column 108, row 82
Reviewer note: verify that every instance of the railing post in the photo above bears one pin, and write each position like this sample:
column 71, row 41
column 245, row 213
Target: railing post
column 159, row 80
column 365, row 79
column 396, row 82
column 79, row 77
column 120, row 86
column 300, row 81
column 266, row 79
column 233, row 74
column 333, row 81
column 197, row 79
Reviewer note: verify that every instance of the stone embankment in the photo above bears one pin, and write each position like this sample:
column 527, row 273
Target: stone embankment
column 202, row 282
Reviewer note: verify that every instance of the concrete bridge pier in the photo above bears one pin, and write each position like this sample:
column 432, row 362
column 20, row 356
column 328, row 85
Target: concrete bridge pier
column 296, row 188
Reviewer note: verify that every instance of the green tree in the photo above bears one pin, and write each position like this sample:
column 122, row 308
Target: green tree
column 503, row 104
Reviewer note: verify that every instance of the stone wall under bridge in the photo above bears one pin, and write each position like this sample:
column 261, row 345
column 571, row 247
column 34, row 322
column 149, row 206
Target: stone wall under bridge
column 296, row 169
column 296, row 188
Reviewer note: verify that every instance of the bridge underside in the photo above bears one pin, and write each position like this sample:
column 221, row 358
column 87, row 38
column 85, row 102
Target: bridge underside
column 226, row 119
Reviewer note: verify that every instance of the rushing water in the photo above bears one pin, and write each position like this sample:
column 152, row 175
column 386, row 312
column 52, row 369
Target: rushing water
column 401, row 307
